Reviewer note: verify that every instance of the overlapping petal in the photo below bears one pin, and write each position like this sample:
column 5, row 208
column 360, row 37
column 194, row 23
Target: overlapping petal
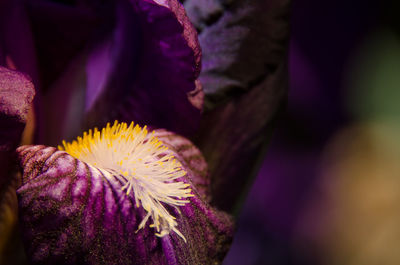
column 140, row 61
column 74, row 213
column 16, row 95
column 245, row 46
column 155, row 61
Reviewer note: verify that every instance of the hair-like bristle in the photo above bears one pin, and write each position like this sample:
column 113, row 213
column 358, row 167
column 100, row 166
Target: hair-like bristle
column 141, row 160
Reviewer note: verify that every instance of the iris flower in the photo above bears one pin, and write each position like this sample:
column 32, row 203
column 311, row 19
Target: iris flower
column 131, row 193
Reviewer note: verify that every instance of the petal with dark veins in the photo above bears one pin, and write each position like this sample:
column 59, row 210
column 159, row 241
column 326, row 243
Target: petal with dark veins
column 74, row 213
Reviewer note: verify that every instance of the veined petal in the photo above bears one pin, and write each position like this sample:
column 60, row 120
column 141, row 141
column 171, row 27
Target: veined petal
column 75, row 213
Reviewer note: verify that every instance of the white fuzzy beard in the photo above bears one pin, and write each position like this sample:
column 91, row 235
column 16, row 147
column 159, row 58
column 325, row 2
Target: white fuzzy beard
column 143, row 163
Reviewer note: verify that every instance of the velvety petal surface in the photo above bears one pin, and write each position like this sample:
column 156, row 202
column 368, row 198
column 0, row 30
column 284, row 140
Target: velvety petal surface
column 17, row 52
column 16, row 95
column 245, row 79
column 73, row 213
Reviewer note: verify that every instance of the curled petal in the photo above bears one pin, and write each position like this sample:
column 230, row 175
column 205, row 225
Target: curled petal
column 130, row 60
column 74, row 213
column 151, row 64
column 16, row 95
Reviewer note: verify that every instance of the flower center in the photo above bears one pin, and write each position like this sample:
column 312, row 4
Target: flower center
column 143, row 163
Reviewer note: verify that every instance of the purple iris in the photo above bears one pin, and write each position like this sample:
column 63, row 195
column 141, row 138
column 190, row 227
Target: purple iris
column 89, row 64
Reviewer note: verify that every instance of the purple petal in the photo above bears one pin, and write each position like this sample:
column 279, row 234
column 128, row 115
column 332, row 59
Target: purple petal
column 60, row 33
column 245, row 77
column 73, row 214
column 16, row 95
column 17, row 46
column 155, row 60
column 191, row 158
column 142, row 65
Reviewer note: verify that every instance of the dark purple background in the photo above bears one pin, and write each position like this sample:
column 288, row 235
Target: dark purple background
column 325, row 35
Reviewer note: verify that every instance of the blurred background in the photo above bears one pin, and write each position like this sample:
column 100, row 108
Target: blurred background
column 328, row 191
